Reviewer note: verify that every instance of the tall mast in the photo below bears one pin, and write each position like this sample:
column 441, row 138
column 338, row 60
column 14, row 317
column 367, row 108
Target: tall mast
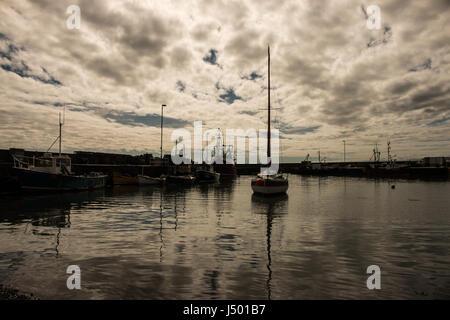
column 60, row 128
column 268, row 103
column 162, row 116
column 60, row 137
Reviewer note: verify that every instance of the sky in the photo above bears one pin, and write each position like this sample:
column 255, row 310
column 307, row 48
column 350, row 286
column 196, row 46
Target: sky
column 332, row 77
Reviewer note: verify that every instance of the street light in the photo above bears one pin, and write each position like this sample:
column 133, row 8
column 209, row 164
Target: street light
column 344, row 149
column 162, row 116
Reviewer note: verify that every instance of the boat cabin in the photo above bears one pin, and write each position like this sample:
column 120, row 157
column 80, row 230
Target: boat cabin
column 60, row 164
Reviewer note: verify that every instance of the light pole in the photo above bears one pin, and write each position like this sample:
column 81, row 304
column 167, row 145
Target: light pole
column 162, row 116
column 344, row 149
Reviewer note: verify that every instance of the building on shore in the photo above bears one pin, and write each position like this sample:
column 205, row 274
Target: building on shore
column 436, row 161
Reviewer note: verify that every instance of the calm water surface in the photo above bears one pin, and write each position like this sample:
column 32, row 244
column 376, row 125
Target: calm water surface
column 221, row 242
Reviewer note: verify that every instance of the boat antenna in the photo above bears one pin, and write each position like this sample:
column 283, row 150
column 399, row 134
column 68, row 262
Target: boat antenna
column 61, row 123
column 388, row 150
column 60, row 135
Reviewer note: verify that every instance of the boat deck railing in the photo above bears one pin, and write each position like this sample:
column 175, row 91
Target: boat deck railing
column 32, row 162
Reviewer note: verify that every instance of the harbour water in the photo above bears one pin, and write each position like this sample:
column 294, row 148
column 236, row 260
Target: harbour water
column 219, row 241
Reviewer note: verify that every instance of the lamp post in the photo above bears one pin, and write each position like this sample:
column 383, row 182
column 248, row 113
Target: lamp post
column 344, row 149
column 162, row 116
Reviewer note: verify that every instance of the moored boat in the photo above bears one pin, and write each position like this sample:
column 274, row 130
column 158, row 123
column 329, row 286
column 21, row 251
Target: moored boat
column 226, row 170
column 50, row 173
column 146, row 180
column 225, row 166
column 206, row 173
column 172, row 179
column 265, row 184
column 121, row 179
column 53, row 173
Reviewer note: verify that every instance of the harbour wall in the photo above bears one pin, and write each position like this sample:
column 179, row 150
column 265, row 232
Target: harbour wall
column 86, row 162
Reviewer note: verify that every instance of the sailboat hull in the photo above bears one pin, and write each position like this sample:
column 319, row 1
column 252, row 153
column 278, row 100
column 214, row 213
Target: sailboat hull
column 145, row 180
column 269, row 190
column 180, row 180
column 269, row 186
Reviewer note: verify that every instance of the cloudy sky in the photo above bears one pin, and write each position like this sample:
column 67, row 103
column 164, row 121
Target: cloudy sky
column 332, row 78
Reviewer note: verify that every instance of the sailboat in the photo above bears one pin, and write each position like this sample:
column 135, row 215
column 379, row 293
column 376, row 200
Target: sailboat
column 143, row 179
column 146, row 180
column 269, row 183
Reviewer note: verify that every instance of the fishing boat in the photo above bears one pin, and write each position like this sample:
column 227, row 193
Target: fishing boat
column 206, row 173
column 226, row 165
column 276, row 183
column 53, row 173
column 226, row 170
